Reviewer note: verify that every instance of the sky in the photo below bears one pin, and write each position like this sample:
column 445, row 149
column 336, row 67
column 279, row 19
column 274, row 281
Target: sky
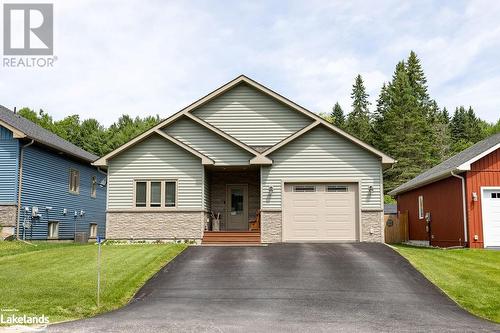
column 156, row 57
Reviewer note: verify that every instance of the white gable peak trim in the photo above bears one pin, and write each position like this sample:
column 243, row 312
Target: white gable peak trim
column 16, row 134
column 467, row 165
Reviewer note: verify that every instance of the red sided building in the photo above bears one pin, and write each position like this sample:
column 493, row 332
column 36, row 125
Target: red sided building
column 456, row 203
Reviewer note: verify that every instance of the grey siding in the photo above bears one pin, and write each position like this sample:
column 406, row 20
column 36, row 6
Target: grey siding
column 208, row 143
column 9, row 160
column 155, row 157
column 321, row 153
column 252, row 117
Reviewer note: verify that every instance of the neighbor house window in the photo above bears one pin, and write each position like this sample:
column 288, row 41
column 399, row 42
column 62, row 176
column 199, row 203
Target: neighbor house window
column 420, row 206
column 93, row 187
column 74, row 181
column 155, row 193
column 304, row 188
column 337, row 188
column 53, row 229
column 93, row 230
column 170, row 190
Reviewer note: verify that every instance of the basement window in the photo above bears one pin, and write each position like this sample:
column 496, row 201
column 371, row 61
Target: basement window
column 421, row 207
column 93, row 230
column 53, row 229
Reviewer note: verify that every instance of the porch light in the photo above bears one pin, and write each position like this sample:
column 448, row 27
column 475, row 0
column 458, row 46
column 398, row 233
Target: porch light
column 370, row 189
column 474, row 196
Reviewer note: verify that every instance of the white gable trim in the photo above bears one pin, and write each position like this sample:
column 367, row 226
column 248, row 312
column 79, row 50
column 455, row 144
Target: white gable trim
column 467, row 165
column 16, row 134
column 103, row 160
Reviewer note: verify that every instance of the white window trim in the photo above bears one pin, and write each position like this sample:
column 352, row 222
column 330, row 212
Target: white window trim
column 78, row 181
column 162, row 197
column 93, row 187
column 421, row 212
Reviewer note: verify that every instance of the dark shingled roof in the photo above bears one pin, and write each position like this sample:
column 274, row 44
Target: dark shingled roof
column 390, row 209
column 43, row 136
column 445, row 168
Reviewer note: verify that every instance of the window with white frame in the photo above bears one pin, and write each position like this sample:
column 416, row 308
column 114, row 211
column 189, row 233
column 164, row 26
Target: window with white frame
column 156, row 193
column 304, row 188
column 421, row 214
column 53, row 229
column 93, row 187
column 93, row 230
column 74, row 181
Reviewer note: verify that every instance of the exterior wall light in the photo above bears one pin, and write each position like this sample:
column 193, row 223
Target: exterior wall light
column 474, row 196
column 271, row 189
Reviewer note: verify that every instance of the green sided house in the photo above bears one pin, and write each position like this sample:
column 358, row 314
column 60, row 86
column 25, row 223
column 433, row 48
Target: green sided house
column 245, row 164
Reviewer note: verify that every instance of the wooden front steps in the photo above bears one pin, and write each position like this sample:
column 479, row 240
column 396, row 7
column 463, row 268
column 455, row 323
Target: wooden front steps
column 231, row 237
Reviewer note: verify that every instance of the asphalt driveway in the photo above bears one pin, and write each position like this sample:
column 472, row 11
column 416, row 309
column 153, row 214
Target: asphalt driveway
column 294, row 288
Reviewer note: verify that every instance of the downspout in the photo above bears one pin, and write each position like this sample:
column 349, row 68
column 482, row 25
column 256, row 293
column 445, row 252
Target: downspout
column 464, row 203
column 102, row 172
column 20, row 185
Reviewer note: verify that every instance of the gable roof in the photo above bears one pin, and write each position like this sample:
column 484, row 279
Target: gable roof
column 259, row 158
column 457, row 163
column 24, row 128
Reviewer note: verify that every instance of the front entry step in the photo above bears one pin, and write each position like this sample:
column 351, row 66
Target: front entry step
column 231, row 237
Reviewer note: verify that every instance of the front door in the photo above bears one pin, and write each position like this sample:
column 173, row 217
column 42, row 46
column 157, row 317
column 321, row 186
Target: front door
column 237, row 207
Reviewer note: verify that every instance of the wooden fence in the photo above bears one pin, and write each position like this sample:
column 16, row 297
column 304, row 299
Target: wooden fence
column 396, row 227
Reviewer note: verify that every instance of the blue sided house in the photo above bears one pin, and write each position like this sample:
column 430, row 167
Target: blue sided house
column 48, row 188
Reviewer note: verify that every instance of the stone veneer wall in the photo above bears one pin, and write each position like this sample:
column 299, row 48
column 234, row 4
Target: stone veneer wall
column 155, row 225
column 8, row 217
column 270, row 227
column 372, row 226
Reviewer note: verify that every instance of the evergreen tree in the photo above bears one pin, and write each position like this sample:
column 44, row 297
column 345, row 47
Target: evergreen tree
column 337, row 116
column 466, row 129
column 358, row 120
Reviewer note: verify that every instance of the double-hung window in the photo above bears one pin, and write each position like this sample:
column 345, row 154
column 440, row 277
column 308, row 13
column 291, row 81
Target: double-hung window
column 155, row 193
column 74, row 181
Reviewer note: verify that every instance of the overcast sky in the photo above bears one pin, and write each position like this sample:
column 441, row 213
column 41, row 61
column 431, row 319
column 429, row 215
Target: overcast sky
column 155, row 57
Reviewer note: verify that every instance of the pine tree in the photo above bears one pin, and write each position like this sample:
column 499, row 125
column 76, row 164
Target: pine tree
column 466, row 129
column 337, row 116
column 358, row 120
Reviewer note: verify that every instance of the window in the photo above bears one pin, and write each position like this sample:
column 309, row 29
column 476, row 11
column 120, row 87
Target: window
column 53, row 229
column 93, row 187
column 170, row 191
column 93, row 230
column 74, row 181
column 495, row 195
column 337, row 188
column 155, row 200
column 421, row 207
column 155, row 193
column 304, row 188
column 140, row 194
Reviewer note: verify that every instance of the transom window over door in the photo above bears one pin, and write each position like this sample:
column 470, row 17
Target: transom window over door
column 155, row 193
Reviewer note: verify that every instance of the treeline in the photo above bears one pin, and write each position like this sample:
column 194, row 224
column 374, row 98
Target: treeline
column 89, row 134
column 407, row 124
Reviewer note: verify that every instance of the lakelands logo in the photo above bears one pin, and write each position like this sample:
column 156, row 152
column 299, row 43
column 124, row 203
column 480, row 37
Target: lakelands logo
column 14, row 319
column 28, row 35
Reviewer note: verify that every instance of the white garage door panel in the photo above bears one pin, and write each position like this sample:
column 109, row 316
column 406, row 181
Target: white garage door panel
column 491, row 217
column 319, row 216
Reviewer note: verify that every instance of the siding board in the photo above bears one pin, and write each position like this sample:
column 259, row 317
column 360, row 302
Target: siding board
column 321, row 153
column 9, row 161
column 155, row 157
column 46, row 184
column 252, row 117
column 221, row 151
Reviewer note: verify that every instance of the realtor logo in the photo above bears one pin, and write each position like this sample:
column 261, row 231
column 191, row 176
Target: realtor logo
column 28, row 29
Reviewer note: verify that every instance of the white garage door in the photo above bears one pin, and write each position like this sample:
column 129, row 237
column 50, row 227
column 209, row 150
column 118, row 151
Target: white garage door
column 491, row 217
column 320, row 212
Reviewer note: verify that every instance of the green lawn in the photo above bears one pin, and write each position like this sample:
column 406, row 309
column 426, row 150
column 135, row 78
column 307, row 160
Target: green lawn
column 59, row 279
column 470, row 277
